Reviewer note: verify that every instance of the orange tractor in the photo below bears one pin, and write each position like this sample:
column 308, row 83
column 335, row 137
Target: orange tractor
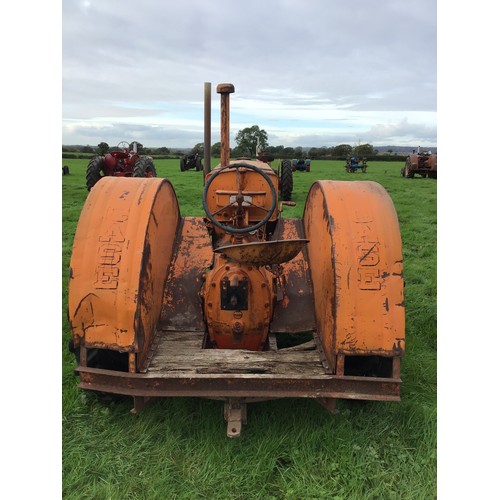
column 423, row 164
column 242, row 305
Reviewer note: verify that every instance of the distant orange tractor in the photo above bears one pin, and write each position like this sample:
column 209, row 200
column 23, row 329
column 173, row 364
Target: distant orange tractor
column 241, row 305
column 423, row 164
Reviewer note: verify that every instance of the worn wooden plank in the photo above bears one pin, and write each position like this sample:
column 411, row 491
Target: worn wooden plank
column 182, row 352
column 229, row 361
column 306, row 346
column 273, row 344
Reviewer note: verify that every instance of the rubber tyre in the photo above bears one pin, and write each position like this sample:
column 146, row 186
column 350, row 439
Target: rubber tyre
column 94, row 169
column 144, row 167
column 198, row 165
column 286, row 180
column 408, row 173
column 183, row 164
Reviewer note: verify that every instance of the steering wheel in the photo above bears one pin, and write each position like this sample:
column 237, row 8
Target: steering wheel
column 120, row 145
column 238, row 203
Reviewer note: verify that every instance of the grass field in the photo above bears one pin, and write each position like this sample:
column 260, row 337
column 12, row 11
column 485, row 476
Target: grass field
column 290, row 449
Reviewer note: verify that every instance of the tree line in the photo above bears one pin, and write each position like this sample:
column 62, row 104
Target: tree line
column 251, row 142
column 103, row 148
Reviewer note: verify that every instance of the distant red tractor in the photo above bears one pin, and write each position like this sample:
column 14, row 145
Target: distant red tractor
column 121, row 161
column 424, row 164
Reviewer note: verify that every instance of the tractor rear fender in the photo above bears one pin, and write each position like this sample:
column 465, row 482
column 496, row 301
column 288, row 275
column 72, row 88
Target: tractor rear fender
column 355, row 259
column 413, row 162
column 432, row 162
column 121, row 252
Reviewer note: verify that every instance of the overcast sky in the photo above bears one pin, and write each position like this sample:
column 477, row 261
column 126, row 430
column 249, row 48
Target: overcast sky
column 309, row 72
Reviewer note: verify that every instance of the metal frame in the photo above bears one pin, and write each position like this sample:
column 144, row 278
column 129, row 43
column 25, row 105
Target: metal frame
column 239, row 385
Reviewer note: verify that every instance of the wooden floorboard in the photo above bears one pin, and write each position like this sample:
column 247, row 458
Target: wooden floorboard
column 182, row 352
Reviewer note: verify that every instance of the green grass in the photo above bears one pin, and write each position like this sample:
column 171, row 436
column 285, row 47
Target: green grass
column 177, row 448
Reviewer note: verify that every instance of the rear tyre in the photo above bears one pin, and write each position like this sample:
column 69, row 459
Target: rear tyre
column 408, row 173
column 144, row 167
column 183, row 164
column 94, row 169
column 198, row 164
column 286, row 180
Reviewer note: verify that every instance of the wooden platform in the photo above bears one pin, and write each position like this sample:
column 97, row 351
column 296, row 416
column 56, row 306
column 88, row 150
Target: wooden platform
column 179, row 366
column 182, row 353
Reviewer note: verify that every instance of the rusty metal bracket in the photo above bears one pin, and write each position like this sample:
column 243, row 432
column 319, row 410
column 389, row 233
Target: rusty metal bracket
column 235, row 414
column 330, row 404
column 139, row 403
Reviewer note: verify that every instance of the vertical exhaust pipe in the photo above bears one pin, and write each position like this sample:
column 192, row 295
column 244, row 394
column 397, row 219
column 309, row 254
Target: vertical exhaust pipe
column 224, row 89
column 207, row 130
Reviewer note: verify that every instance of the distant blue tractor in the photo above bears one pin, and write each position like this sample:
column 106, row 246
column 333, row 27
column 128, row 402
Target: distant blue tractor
column 353, row 164
column 301, row 165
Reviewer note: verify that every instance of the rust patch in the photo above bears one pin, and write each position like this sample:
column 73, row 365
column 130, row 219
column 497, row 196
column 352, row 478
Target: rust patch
column 295, row 313
column 263, row 253
column 192, row 256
